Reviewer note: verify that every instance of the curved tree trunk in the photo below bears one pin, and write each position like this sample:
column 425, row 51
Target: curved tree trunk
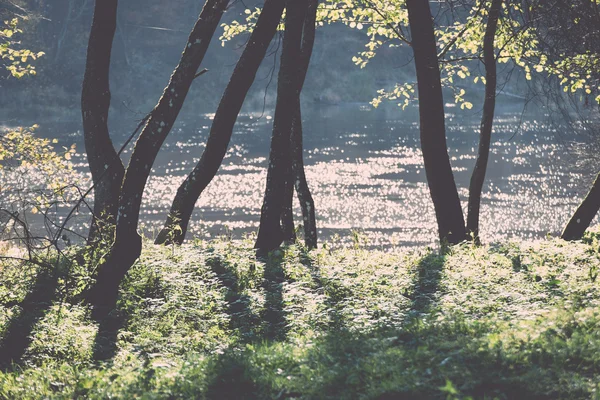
column 451, row 224
column 487, row 121
column 584, row 214
column 270, row 234
column 105, row 165
column 128, row 243
column 307, row 203
column 242, row 78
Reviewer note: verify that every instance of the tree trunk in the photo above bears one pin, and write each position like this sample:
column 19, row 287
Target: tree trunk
column 451, row 225
column 584, row 214
column 128, row 243
column 105, row 165
column 270, row 234
column 298, row 177
column 287, row 209
column 304, row 196
column 487, row 121
column 242, row 78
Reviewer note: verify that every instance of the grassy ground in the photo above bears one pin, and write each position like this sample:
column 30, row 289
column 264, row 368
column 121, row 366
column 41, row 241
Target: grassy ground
column 209, row 320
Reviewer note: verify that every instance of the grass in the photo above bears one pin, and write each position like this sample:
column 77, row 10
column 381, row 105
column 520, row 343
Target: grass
column 209, row 320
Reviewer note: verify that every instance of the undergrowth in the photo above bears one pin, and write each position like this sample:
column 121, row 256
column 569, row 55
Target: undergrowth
column 210, row 320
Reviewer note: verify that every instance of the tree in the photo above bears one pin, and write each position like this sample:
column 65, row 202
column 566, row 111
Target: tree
column 127, row 243
column 584, row 214
column 570, row 39
column 104, row 162
column 243, row 76
column 487, row 120
column 451, row 225
column 295, row 177
column 297, row 174
column 270, row 234
column 461, row 36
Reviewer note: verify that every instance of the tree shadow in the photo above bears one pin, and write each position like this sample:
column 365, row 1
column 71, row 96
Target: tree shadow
column 335, row 293
column 34, row 307
column 242, row 319
column 426, row 283
column 113, row 319
column 414, row 360
column 232, row 374
column 105, row 343
column 228, row 376
column 274, row 315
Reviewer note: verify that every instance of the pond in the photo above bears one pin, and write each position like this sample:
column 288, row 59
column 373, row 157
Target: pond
column 364, row 167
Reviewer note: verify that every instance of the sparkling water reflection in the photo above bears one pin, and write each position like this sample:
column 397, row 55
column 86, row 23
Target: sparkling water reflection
column 365, row 170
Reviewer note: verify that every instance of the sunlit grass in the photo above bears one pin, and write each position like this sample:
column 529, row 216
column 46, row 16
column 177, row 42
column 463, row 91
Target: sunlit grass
column 209, row 320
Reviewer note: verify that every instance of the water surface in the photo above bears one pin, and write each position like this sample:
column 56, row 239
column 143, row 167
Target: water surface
column 364, row 167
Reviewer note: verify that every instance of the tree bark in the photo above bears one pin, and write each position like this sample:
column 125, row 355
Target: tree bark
column 297, row 178
column 451, row 225
column 487, row 121
column 243, row 76
column 307, row 203
column 128, row 243
column 287, row 209
column 105, row 165
column 584, row 214
column 270, row 234
column 304, row 195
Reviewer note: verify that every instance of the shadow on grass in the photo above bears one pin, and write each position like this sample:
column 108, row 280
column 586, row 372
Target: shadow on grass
column 228, row 375
column 347, row 365
column 34, row 307
column 105, row 342
column 147, row 286
column 413, row 361
column 252, row 326
column 274, row 315
column 241, row 317
column 335, row 293
column 426, row 284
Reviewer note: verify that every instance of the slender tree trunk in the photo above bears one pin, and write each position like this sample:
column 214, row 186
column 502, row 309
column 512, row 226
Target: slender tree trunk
column 451, row 224
column 304, row 196
column 487, row 121
column 287, row 209
column 270, row 234
column 307, row 204
column 222, row 127
column 105, row 165
column 584, row 214
column 297, row 177
column 128, row 243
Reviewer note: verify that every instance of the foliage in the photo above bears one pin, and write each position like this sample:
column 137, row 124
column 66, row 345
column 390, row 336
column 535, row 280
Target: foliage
column 460, row 41
column 20, row 148
column 209, row 320
column 18, row 59
column 35, row 178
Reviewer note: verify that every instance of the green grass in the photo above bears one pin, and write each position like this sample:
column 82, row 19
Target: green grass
column 209, row 320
